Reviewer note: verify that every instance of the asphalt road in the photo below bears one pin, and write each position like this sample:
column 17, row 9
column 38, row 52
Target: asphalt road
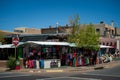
column 104, row 74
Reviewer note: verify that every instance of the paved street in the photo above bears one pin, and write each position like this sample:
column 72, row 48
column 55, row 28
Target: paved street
column 104, row 74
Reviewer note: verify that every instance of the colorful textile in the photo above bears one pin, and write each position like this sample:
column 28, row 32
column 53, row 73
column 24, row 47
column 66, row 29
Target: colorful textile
column 41, row 63
column 34, row 63
column 74, row 62
column 79, row 60
column 37, row 64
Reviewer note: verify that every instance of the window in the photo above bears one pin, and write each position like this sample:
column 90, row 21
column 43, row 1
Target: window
column 20, row 31
column 97, row 30
column 112, row 31
column 106, row 29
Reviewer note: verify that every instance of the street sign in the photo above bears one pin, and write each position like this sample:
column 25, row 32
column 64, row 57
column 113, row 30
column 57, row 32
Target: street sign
column 15, row 41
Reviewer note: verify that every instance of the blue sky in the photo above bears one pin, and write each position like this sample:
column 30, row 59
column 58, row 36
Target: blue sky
column 42, row 13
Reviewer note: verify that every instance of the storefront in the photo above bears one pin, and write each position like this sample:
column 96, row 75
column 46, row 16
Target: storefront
column 38, row 54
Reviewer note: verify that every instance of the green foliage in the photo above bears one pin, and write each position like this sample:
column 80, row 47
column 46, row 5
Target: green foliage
column 2, row 38
column 74, row 22
column 11, row 63
column 84, row 36
column 87, row 37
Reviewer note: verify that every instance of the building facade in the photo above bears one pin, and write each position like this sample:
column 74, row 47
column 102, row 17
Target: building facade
column 27, row 30
column 104, row 29
column 107, row 32
column 117, row 33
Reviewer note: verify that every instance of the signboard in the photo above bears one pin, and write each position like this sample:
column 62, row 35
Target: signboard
column 15, row 41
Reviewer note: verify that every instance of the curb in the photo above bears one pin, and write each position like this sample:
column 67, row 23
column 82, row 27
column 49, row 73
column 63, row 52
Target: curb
column 67, row 69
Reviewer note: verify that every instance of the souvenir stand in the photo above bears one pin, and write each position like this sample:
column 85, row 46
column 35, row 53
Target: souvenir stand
column 44, row 54
column 38, row 55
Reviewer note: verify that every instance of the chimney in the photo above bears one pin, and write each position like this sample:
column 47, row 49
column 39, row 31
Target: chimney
column 101, row 22
column 112, row 23
column 50, row 26
column 66, row 25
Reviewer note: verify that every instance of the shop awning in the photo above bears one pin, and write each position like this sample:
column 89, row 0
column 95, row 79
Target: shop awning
column 49, row 43
column 7, row 46
column 61, row 44
column 72, row 45
column 10, row 45
column 104, row 46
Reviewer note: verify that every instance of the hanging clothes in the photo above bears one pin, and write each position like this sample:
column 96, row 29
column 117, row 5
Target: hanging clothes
column 74, row 62
column 44, row 50
column 39, row 53
column 37, row 64
column 74, row 59
column 30, row 63
column 47, row 50
column 41, row 63
column 83, row 61
column 57, row 48
column 71, row 56
column 86, row 60
column 34, row 63
column 79, row 60
column 50, row 49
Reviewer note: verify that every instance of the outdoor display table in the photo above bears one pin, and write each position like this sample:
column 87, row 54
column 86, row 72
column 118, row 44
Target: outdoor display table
column 51, row 63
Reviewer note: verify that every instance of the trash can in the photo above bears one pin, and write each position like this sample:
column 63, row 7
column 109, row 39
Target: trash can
column 17, row 64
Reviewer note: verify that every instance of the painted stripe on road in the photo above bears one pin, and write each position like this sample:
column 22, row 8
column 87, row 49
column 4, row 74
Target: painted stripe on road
column 102, row 75
column 13, row 76
column 54, row 70
column 6, row 73
column 69, row 78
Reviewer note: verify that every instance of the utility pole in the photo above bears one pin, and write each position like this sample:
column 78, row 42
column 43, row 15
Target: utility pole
column 57, row 28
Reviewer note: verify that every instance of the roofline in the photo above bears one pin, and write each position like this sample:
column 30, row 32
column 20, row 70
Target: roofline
column 22, row 35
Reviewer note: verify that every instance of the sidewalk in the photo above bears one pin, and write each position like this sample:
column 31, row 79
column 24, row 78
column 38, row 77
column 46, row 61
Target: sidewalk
column 67, row 68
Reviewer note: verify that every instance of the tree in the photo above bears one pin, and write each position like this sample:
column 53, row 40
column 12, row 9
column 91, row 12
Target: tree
column 2, row 38
column 84, row 35
column 87, row 37
column 74, row 23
